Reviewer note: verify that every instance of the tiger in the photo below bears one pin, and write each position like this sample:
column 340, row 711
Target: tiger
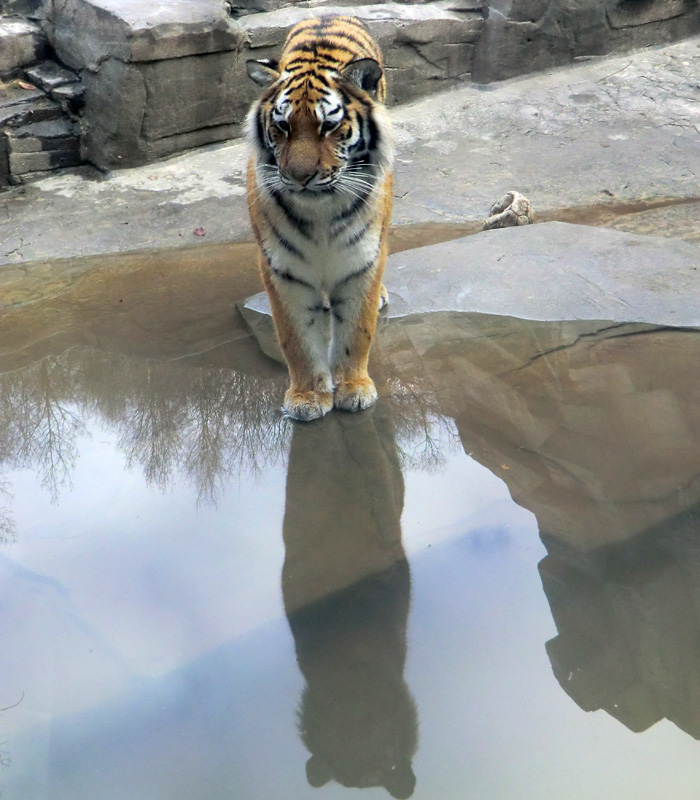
column 319, row 188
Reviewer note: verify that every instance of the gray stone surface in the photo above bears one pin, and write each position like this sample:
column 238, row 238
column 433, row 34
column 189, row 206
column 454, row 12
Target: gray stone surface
column 23, row 8
column 86, row 32
column 552, row 271
column 135, row 112
column 71, row 96
column 51, row 135
column 4, row 162
column 32, row 124
column 49, row 75
column 169, row 75
column 21, row 42
column 23, row 163
column 628, row 13
column 36, row 109
column 525, row 35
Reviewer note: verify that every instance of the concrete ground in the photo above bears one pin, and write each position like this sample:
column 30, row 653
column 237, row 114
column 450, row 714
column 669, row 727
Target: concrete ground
column 610, row 141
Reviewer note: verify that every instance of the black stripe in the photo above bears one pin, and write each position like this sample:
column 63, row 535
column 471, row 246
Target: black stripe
column 288, row 246
column 298, row 60
column 304, row 47
column 260, row 130
column 355, row 238
column 317, row 81
column 365, row 43
column 373, row 133
column 357, row 274
column 321, row 306
column 302, row 225
column 360, row 147
column 363, row 160
column 328, row 46
column 351, row 210
column 286, row 275
column 360, row 37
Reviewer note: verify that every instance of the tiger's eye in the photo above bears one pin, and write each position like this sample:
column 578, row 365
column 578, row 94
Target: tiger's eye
column 283, row 125
column 328, row 126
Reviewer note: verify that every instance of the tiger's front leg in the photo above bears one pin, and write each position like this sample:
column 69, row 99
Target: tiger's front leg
column 354, row 305
column 301, row 322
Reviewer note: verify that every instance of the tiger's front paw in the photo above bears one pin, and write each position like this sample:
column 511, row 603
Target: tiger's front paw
column 306, row 406
column 383, row 298
column 355, row 395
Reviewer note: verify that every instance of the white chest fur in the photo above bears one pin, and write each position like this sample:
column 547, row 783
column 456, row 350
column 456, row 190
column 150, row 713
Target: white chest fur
column 317, row 239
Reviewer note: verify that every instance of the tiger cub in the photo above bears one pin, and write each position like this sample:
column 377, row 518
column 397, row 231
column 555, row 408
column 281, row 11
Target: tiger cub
column 320, row 195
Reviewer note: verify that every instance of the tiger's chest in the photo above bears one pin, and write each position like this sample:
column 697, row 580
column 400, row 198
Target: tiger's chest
column 323, row 244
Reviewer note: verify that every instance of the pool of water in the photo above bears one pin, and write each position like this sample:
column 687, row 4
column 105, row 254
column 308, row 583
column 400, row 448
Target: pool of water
column 484, row 587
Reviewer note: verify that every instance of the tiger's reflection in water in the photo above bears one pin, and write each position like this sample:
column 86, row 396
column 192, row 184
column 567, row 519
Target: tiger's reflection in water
column 346, row 586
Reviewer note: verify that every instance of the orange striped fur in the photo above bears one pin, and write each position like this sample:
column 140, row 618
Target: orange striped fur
column 320, row 195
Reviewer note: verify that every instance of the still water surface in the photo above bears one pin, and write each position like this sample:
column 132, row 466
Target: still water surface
column 485, row 587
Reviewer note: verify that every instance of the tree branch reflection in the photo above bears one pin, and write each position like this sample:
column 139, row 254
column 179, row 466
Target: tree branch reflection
column 173, row 419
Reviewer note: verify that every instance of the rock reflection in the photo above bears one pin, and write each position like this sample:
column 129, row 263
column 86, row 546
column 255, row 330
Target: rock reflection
column 598, row 434
column 346, row 587
column 628, row 622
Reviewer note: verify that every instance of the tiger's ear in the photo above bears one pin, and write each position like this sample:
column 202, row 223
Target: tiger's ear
column 363, row 72
column 318, row 772
column 263, row 72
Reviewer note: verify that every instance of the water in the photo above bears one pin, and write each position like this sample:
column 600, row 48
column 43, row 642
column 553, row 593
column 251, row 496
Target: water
column 484, row 587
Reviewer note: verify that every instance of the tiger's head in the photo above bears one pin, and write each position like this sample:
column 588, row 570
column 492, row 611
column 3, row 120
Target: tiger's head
column 316, row 131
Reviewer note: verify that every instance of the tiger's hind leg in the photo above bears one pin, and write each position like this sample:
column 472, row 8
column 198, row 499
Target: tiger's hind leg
column 301, row 323
column 354, row 306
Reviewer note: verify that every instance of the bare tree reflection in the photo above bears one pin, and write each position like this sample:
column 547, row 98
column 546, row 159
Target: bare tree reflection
column 346, row 588
column 175, row 418
column 40, row 420
column 8, row 529
column 170, row 418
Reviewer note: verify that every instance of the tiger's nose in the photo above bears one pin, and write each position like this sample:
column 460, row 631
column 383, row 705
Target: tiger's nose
column 302, row 173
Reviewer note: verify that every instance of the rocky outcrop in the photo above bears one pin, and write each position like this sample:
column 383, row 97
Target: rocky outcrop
column 173, row 77
column 39, row 126
column 528, row 35
column 21, row 42
column 163, row 77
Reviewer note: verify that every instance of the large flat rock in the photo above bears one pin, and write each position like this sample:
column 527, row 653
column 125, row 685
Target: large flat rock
column 86, row 32
column 550, row 271
column 553, row 271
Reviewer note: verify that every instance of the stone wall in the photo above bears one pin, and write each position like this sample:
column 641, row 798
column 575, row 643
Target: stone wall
column 529, row 35
column 39, row 104
column 162, row 77
column 157, row 84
